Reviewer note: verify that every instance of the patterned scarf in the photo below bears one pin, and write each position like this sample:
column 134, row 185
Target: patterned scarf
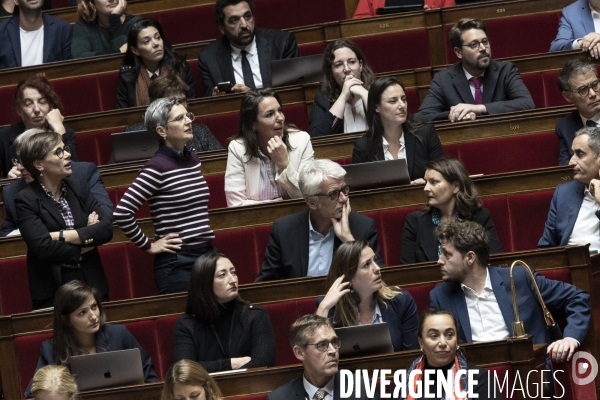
column 459, row 363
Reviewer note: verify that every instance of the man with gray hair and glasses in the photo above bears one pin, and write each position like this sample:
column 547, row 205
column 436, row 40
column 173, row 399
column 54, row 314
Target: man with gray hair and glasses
column 303, row 244
column 316, row 345
column 574, row 216
column 579, row 85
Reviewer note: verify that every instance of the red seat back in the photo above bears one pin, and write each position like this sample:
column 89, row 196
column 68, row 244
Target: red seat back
column 528, row 213
column 223, row 126
column 145, row 333
column 420, row 294
column 569, row 387
column 164, row 328
column 391, row 234
column 535, row 85
column 277, row 14
column 239, row 244
column 27, row 353
column 552, row 93
column 216, row 186
column 14, row 286
column 498, row 207
column 96, row 146
column 115, row 264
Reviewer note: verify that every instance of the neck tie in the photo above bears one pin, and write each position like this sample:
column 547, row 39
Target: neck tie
column 248, row 78
column 590, row 123
column 320, row 394
column 478, row 93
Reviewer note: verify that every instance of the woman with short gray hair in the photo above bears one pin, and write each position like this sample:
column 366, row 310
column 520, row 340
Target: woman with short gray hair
column 172, row 184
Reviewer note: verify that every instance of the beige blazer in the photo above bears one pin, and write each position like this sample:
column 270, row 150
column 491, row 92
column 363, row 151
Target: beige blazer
column 242, row 175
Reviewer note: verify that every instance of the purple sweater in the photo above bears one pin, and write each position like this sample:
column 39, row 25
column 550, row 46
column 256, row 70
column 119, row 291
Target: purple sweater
column 177, row 194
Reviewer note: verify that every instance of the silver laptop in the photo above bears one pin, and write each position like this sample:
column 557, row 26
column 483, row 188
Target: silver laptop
column 296, row 71
column 134, row 145
column 377, row 174
column 104, row 370
column 365, row 340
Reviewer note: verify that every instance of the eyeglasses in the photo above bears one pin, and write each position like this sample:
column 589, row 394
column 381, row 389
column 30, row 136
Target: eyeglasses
column 180, row 118
column 475, row 45
column 336, row 193
column 324, row 345
column 16, row 162
column 585, row 90
column 351, row 63
column 60, row 151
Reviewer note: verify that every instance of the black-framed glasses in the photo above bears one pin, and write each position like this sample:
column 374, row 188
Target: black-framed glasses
column 16, row 162
column 60, row 151
column 475, row 45
column 585, row 90
column 180, row 118
column 334, row 195
column 324, row 345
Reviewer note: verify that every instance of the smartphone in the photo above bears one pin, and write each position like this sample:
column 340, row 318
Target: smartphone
column 224, row 87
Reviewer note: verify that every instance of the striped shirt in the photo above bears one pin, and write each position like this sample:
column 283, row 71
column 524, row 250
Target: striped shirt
column 177, row 194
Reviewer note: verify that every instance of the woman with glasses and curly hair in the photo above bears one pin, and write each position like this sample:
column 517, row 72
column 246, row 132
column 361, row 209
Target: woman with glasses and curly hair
column 358, row 296
column 60, row 220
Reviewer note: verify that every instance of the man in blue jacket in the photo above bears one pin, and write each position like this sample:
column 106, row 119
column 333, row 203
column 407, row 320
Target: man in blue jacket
column 480, row 296
column 579, row 27
column 30, row 38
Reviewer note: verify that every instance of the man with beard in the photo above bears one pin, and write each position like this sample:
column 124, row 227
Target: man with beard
column 30, row 38
column 242, row 56
column 477, row 84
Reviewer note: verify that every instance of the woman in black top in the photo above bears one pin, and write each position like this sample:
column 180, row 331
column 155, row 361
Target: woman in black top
column 149, row 55
column 393, row 134
column 219, row 330
column 341, row 104
column 451, row 195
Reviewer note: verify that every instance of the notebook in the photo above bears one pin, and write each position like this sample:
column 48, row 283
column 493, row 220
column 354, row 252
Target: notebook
column 104, row 370
column 394, row 6
column 134, row 145
column 362, row 340
column 296, row 71
column 377, row 174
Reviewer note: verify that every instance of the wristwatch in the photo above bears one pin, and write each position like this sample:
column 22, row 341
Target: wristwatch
column 61, row 238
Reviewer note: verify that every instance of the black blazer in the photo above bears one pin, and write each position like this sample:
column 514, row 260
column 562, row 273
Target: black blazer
column 215, row 63
column 9, row 133
column 419, row 243
column 294, row 390
column 323, row 122
column 38, row 215
column 421, row 147
column 128, row 78
column 287, row 252
column 565, row 130
column 252, row 335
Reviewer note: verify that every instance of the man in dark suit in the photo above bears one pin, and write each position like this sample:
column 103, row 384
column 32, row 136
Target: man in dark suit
column 303, row 244
column 476, row 85
column 480, row 296
column 51, row 44
column 242, row 56
column 316, row 345
column 574, row 216
column 576, row 29
column 85, row 172
column 579, row 84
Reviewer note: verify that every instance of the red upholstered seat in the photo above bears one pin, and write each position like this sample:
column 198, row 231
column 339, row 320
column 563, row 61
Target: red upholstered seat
column 7, row 98
column 310, row 49
column 412, row 97
column 510, row 153
column 376, row 216
column 283, row 315
column 277, row 14
column 239, row 245
column 451, row 150
column 14, row 286
column 410, row 50
column 223, row 126
column 562, row 274
column 197, row 78
column 95, row 147
column 343, row 161
column 528, row 213
column 262, row 396
column 201, row 25
column 108, row 84
column 261, row 240
column 115, row 264
column 504, row 32
column 216, row 186
column 60, row 3
column 536, row 87
column 500, row 372
column 498, row 207
column 420, row 294
column 552, row 94
column 27, row 352
column 164, row 335
column 71, row 91
column 145, row 333
column 140, row 264
column 393, row 225
column 565, row 385
column 296, row 114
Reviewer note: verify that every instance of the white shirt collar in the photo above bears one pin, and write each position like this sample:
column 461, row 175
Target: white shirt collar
column 487, row 287
column 311, row 390
column 250, row 49
column 314, row 233
column 386, row 144
column 469, row 76
column 150, row 73
column 595, row 118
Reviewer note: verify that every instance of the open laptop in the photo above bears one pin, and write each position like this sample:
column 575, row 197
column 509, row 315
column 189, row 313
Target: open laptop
column 377, row 174
column 296, row 71
column 104, row 370
column 363, row 340
column 394, row 6
column 133, row 146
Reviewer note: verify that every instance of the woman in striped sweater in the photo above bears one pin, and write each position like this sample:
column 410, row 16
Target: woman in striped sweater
column 172, row 184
